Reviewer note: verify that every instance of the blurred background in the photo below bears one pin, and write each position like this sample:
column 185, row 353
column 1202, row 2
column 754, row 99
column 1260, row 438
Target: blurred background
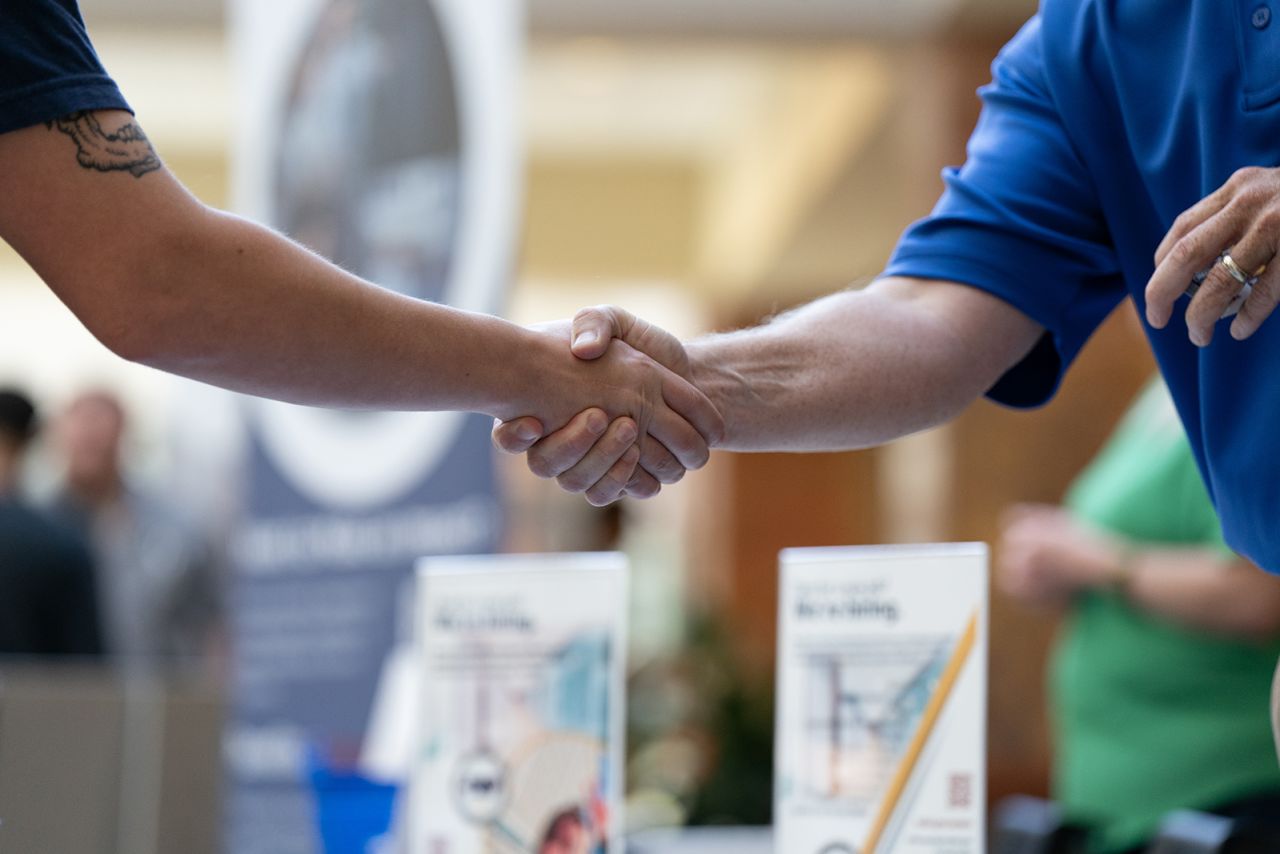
column 706, row 165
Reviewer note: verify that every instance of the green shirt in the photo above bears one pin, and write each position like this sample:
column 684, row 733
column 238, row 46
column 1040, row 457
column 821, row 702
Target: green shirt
column 1150, row 716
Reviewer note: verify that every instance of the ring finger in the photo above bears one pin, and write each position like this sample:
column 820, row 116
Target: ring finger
column 1213, row 301
column 601, row 459
column 613, row 485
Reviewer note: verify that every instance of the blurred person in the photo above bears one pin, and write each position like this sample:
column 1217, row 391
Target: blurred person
column 1158, row 677
column 165, row 281
column 47, row 601
column 156, row 573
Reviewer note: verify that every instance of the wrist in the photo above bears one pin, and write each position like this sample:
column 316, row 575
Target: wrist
column 1118, row 576
column 724, row 387
column 530, row 367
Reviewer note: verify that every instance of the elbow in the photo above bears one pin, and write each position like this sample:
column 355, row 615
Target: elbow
column 144, row 311
column 126, row 340
column 125, row 325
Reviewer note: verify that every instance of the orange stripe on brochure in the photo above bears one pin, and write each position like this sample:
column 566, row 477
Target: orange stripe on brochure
column 931, row 713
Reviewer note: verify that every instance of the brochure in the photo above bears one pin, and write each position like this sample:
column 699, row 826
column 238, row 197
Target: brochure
column 522, row 681
column 882, row 680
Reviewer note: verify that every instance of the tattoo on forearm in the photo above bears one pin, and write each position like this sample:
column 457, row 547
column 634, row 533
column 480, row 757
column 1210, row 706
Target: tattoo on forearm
column 125, row 150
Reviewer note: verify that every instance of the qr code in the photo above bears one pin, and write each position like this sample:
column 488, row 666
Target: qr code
column 960, row 790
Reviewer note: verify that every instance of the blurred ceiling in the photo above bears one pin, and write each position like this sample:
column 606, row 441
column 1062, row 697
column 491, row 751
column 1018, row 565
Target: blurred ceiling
column 773, row 18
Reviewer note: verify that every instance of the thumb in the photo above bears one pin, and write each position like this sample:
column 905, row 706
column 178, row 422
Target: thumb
column 594, row 327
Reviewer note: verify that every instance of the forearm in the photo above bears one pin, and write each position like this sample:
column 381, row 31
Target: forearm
column 161, row 279
column 1204, row 590
column 231, row 303
column 861, row 367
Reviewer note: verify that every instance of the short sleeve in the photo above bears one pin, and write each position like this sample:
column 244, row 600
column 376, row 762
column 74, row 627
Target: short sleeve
column 1021, row 220
column 48, row 67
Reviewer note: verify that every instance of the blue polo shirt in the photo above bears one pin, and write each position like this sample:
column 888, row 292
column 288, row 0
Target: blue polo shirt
column 48, row 68
column 1105, row 119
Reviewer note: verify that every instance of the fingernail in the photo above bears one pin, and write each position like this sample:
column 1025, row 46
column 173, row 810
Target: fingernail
column 1237, row 331
column 525, row 433
column 627, row 433
column 584, row 338
column 596, row 423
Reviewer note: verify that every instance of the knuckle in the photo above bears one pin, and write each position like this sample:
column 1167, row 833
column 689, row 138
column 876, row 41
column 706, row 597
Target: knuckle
column 648, row 369
column 1184, row 252
column 1183, row 222
column 625, row 434
column 1249, row 196
column 1243, row 175
column 591, row 312
column 1269, row 221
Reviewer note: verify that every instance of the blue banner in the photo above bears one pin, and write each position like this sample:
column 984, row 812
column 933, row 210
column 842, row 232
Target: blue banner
column 355, row 115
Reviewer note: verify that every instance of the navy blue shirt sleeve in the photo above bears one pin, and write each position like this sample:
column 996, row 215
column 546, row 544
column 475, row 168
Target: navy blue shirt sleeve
column 1022, row 220
column 48, row 67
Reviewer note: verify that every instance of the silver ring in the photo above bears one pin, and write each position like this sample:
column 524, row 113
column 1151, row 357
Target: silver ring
column 1233, row 268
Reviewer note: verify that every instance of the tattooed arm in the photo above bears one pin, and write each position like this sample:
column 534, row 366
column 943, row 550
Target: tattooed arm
column 163, row 280
column 126, row 149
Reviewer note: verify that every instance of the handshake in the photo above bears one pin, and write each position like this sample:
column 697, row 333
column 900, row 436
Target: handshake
column 641, row 421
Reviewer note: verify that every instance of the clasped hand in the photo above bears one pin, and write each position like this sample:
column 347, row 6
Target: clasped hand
column 669, row 430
